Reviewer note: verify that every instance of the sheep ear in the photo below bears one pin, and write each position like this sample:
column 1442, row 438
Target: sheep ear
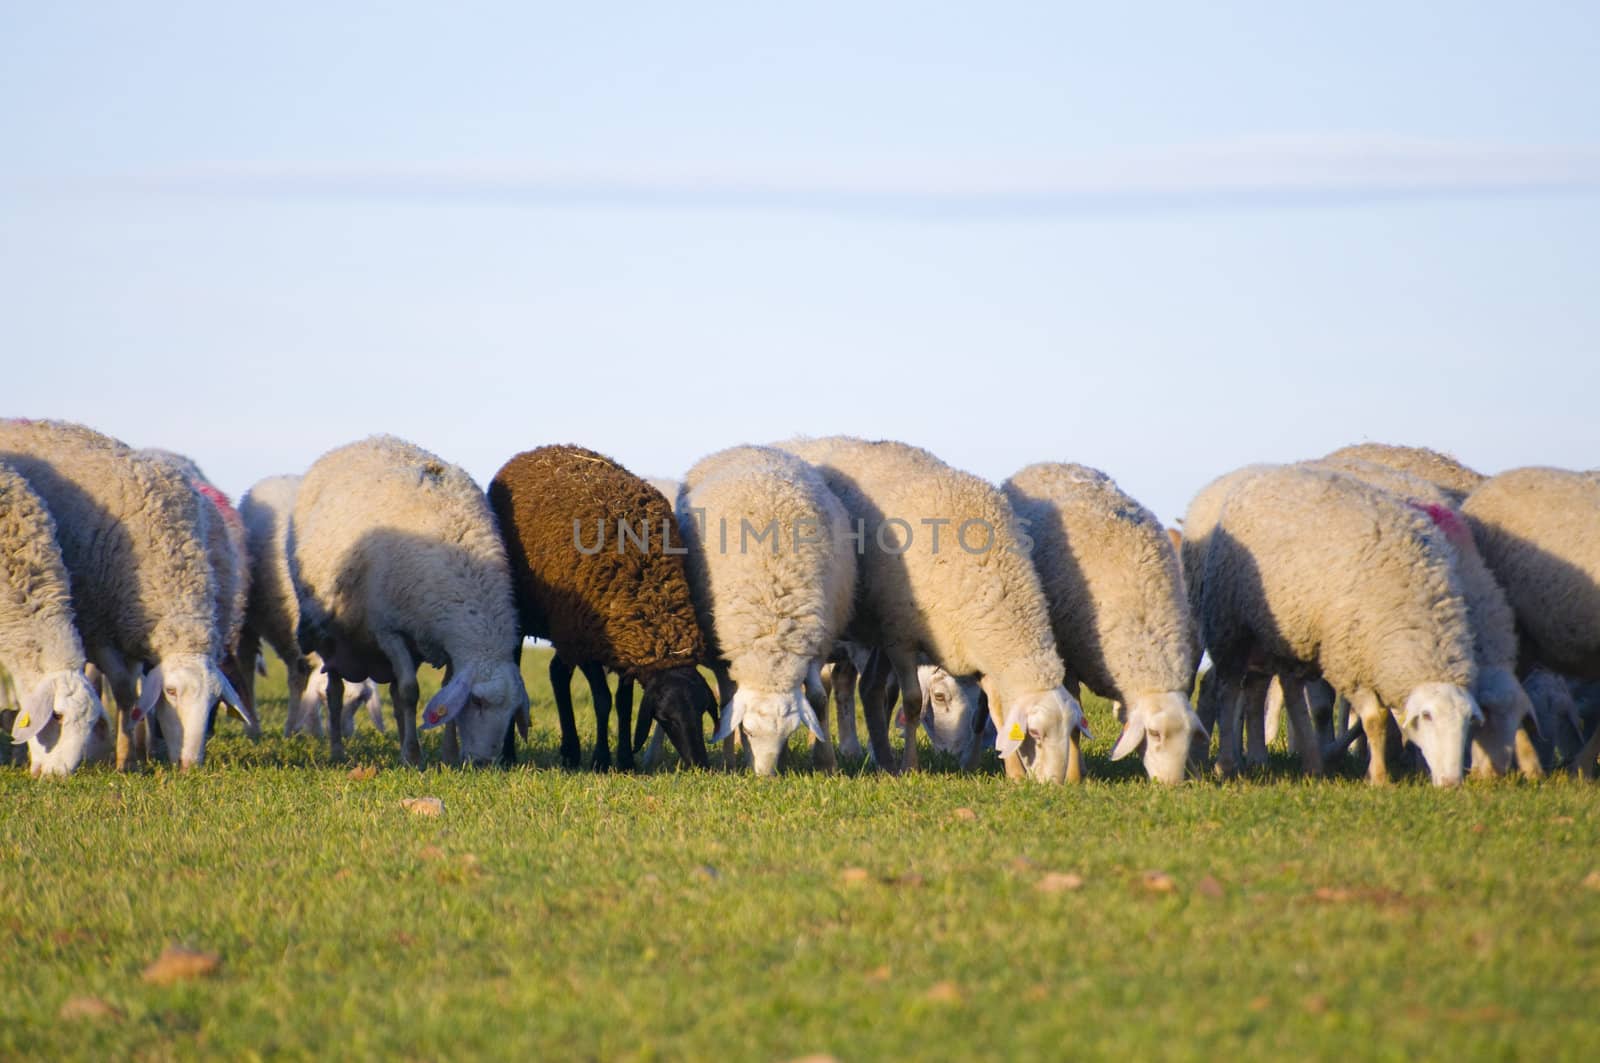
column 810, row 717
column 519, row 719
column 149, row 694
column 448, row 703
column 1132, row 736
column 230, row 697
column 37, row 710
column 730, row 719
column 1477, row 712
column 647, row 716
column 261, row 665
column 1530, row 723
column 1011, row 733
column 1194, row 722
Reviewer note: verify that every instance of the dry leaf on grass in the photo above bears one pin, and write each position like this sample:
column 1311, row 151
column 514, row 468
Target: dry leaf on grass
column 431, row 852
column 363, row 772
column 1591, row 881
column 88, row 1008
column 178, row 963
column 1158, row 882
column 423, row 806
column 852, row 875
column 879, row 974
column 944, row 993
column 1563, row 820
column 965, row 814
column 1209, row 887
column 1059, row 882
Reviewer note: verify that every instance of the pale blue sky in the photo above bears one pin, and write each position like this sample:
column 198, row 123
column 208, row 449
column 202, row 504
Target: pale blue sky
column 1164, row 239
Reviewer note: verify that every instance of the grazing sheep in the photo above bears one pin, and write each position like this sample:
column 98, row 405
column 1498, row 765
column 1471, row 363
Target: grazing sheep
column 1117, row 607
column 58, row 711
column 229, row 556
column 945, row 574
column 132, row 534
column 598, row 566
column 772, row 573
column 1311, row 570
column 397, row 561
column 1444, row 472
column 949, row 703
column 1504, row 702
column 1539, row 531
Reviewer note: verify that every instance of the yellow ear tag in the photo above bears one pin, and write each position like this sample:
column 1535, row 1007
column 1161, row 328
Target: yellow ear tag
column 23, row 720
column 1016, row 733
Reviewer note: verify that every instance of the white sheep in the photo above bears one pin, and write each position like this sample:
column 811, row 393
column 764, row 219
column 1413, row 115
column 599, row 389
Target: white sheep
column 950, row 704
column 1539, row 530
column 1308, row 569
column 1504, row 702
column 397, row 561
column 1117, row 606
column 57, row 710
column 772, row 574
column 229, row 556
column 945, row 576
column 132, row 534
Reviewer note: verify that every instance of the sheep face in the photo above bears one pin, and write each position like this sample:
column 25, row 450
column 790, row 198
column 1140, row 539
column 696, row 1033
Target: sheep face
column 949, row 706
column 181, row 692
column 1505, row 705
column 768, row 719
column 1437, row 718
column 58, row 721
column 678, row 700
column 481, row 699
column 1163, row 725
column 1038, row 728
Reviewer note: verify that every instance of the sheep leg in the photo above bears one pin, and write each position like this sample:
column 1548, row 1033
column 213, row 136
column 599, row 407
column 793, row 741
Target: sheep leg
column 561, row 686
column 997, row 714
column 1229, row 691
column 1272, row 717
column 1584, row 764
column 653, row 750
column 299, row 673
column 1375, row 722
column 600, row 690
column 905, row 673
column 403, row 692
column 1302, row 733
column 844, row 698
column 449, row 744
column 1205, row 708
column 1253, row 709
column 336, row 704
column 726, row 689
column 126, row 695
column 873, row 681
column 822, row 751
column 624, row 723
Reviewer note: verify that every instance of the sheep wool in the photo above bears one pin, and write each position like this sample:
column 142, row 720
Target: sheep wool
column 1539, row 530
column 1445, row 472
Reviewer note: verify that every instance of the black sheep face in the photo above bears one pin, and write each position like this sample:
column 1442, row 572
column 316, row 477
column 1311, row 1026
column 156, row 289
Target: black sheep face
column 678, row 700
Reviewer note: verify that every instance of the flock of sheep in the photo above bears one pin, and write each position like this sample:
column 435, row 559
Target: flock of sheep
column 1379, row 593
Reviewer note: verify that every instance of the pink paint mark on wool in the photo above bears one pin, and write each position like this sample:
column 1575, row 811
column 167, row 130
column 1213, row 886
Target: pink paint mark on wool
column 220, row 500
column 1447, row 520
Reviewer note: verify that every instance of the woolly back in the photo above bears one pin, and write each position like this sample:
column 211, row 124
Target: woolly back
column 132, row 534
column 37, row 631
column 770, row 565
column 1110, row 575
column 588, row 544
column 1493, row 624
column 971, row 600
column 1539, row 531
column 271, row 609
column 1205, row 509
column 1329, row 571
column 386, row 533
column 226, row 549
column 1445, row 472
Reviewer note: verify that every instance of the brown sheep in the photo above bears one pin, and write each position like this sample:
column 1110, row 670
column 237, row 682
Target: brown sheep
column 597, row 560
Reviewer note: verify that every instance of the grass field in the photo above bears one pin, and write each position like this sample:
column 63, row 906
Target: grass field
column 554, row 915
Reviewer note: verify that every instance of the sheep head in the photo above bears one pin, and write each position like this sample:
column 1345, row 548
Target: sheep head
column 482, row 698
column 180, row 692
column 949, row 706
column 1040, row 728
column 1505, row 706
column 768, row 719
column 58, row 718
column 678, row 699
column 1438, row 718
column 1164, row 725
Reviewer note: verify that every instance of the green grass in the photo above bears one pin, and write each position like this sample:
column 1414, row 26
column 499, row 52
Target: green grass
column 554, row 915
